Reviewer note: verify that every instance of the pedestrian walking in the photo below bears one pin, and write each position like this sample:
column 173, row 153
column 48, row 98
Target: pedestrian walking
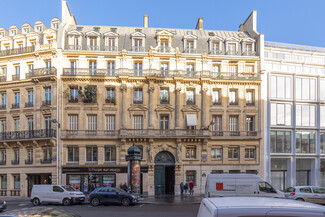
column 181, row 186
column 185, row 189
column 191, row 185
column 125, row 188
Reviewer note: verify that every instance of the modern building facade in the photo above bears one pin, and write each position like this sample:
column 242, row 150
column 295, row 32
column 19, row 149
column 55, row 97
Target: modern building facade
column 189, row 98
column 295, row 115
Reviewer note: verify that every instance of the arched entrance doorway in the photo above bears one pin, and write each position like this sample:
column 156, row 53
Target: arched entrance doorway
column 164, row 173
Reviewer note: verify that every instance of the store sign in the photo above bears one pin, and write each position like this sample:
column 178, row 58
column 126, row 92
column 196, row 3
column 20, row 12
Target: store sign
column 99, row 169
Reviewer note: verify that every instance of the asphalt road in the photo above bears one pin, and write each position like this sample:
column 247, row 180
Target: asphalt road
column 138, row 210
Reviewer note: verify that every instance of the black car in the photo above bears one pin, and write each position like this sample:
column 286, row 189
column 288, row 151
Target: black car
column 3, row 205
column 106, row 195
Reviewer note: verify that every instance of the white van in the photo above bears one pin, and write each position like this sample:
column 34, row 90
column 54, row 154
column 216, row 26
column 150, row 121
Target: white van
column 257, row 206
column 219, row 185
column 62, row 194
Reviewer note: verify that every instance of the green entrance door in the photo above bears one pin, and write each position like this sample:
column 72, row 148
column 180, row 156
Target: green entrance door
column 164, row 173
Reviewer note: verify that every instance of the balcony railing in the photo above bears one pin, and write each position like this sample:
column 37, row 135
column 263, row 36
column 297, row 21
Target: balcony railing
column 17, row 51
column 110, row 48
column 2, row 162
column 15, row 77
column 15, row 192
column 164, row 49
column 74, row 47
column 138, row 49
column 93, row 48
column 46, row 161
column 28, row 134
column 249, row 53
column 15, row 162
column 3, row 107
column 46, row 102
column 29, row 104
column 216, row 52
column 30, row 161
column 138, row 101
column 162, row 73
column 41, row 72
column 110, row 100
column 3, row 78
column 189, row 50
column 15, row 105
column 234, row 134
column 73, row 100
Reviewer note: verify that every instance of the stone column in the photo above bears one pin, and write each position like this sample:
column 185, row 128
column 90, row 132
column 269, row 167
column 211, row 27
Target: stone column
column 122, row 116
column 151, row 89
column 177, row 97
column 203, row 107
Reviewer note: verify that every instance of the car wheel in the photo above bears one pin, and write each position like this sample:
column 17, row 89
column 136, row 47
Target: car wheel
column 125, row 202
column 66, row 202
column 95, row 201
column 36, row 201
column 300, row 199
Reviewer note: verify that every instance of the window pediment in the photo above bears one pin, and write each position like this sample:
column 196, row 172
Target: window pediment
column 164, row 33
column 164, row 108
column 6, row 38
column 232, row 39
column 135, row 108
column 32, row 34
column 194, row 37
column 92, row 33
column 248, row 40
column 190, row 108
column 111, row 34
column 138, row 34
column 19, row 36
column 74, row 32
column 216, row 38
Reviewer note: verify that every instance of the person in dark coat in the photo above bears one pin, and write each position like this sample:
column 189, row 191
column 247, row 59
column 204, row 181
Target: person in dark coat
column 125, row 188
column 186, row 189
column 181, row 186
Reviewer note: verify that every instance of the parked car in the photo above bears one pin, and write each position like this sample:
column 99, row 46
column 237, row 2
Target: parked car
column 257, row 206
column 313, row 194
column 220, row 185
column 3, row 205
column 106, row 195
column 63, row 194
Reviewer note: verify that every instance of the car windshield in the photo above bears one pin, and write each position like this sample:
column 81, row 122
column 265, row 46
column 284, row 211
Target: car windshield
column 68, row 188
column 289, row 190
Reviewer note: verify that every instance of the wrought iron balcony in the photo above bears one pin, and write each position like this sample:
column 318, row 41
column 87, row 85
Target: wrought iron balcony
column 110, row 48
column 15, row 162
column 46, row 102
column 249, row 53
column 15, row 77
column 15, row 106
column 164, row 49
column 28, row 134
column 161, row 73
column 216, row 52
column 30, row 161
column 73, row 100
column 29, row 104
column 41, row 72
column 235, row 134
column 46, row 161
column 93, row 48
column 138, row 49
column 3, row 162
column 74, row 47
column 110, row 100
column 3, row 78
column 138, row 101
column 3, row 107
column 232, row 53
column 17, row 51
column 189, row 50
column 190, row 102
column 164, row 100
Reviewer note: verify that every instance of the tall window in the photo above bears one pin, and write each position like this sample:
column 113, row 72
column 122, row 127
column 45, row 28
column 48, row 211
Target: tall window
column 322, row 116
column 3, row 181
column 250, row 97
column 280, row 141
column 3, row 156
column 16, row 181
column 190, row 70
column 92, row 154
column 3, row 125
column 92, row 67
column 138, row 45
column 216, row 97
column 111, row 44
column 305, row 115
column 30, row 123
column 250, row 153
column 190, row 152
column 233, row 153
column 110, row 122
column 111, row 68
column 249, row 69
column 30, row 98
column 73, row 153
column 233, row 125
column 110, row 153
column 281, row 114
column 17, row 100
column 322, row 142
column 305, row 142
column 4, row 71
column 306, row 88
column 189, row 46
column 73, row 122
column 92, row 122
column 29, row 155
column 138, row 122
column 110, row 95
column 215, row 47
column 231, row 48
column 190, row 97
column 191, row 177
column 48, row 95
column 16, row 156
column 16, row 124
column 164, row 69
column 47, row 154
column 216, row 153
column 93, row 43
column 250, row 125
column 48, row 122
column 138, row 96
column 164, row 95
column 164, row 46
column 74, row 95
column 215, row 71
column 217, row 122
column 164, row 122
column 233, row 97
column 48, row 65
column 281, row 87
column 17, row 70
column 4, row 100
column 137, row 69
column 73, row 65
column 232, row 69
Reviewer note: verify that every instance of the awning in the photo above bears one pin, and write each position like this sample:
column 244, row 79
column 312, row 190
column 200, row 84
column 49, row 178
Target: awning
column 191, row 119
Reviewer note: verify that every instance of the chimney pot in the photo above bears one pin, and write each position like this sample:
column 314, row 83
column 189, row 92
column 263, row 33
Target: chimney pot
column 199, row 24
column 145, row 21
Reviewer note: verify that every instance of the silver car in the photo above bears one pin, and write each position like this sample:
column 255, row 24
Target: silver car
column 311, row 194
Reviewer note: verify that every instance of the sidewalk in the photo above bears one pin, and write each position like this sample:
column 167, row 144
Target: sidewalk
column 170, row 199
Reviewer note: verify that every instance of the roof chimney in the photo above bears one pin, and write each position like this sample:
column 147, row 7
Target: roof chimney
column 199, row 24
column 145, row 21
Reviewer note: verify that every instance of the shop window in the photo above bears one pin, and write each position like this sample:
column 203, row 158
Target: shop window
column 191, row 177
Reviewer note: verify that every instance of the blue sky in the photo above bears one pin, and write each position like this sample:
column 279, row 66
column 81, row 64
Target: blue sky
column 289, row 21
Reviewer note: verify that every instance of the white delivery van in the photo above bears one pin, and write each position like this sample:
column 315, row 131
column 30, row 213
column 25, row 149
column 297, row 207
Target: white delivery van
column 63, row 194
column 257, row 206
column 219, row 185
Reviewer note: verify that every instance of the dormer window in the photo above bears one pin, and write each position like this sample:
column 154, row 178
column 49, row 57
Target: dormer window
column 190, row 43
column 93, row 43
column 215, row 45
column 93, row 40
column 13, row 32
column 138, row 45
column 232, row 46
column 113, row 30
column 164, row 46
column 138, row 41
column 189, row 46
column 231, row 49
column 74, row 40
column 55, row 25
column 248, row 49
column 96, row 29
column 111, row 41
column 26, row 30
column 39, row 28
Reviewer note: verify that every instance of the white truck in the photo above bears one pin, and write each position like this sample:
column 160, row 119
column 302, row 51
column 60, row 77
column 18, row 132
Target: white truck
column 220, row 185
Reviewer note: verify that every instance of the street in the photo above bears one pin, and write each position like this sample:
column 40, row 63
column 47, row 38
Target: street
column 17, row 207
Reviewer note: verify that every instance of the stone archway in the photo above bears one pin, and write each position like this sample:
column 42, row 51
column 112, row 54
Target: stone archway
column 164, row 173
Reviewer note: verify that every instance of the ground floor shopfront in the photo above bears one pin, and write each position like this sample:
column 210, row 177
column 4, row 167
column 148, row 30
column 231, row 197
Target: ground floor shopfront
column 298, row 171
